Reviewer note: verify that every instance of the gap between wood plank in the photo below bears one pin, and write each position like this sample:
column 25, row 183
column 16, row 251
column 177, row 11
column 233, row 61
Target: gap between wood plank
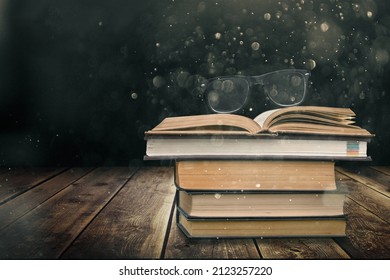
column 126, row 227
column 367, row 236
column 61, row 170
column 136, row 169
column 368, row 182
column 258, row 248
column 301, row 248
column 382, row 169
column 48, row 229
column 168, row 230
column 352, row 198
column 25, row 205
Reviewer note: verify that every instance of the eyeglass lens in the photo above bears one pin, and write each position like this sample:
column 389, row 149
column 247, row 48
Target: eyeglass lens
column 228, row 94
column 285, row 89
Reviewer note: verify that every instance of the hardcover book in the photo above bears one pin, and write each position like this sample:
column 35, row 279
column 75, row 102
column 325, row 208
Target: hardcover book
column 254, row 175
column 260, row 204
column 262, row 227
column 293, row 132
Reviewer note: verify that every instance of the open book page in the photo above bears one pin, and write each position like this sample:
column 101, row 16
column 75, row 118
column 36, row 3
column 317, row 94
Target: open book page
column 206, row 124
column 309, row 119
column 260, row 119
column 313, row 128
column 308, row 114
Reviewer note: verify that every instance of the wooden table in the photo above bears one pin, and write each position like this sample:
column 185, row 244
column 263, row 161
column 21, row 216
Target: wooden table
column 128, row 213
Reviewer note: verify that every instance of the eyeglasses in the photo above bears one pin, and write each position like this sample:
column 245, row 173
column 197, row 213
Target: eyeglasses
column 229, row 94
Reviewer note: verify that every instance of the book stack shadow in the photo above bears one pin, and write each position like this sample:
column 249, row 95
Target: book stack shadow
column 273, row 176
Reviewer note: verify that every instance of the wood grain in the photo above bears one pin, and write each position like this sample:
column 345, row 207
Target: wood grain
column 18, row 180
column 134, row 224
column 367, row 197
column 181, row 247
column 46, row 231
column 383, row 169
column 369, row 177
column 368, row 236
column 367, row 208
column 20, row 205
column 301, row 248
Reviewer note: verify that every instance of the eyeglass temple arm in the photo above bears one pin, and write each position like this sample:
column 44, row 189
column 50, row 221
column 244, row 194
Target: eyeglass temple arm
column 259, row 80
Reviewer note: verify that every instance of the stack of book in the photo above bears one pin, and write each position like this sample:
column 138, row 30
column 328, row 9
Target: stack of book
column 273, row 176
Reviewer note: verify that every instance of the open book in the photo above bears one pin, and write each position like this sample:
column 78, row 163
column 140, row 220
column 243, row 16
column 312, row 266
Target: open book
column 293, row 132
column 295, row 120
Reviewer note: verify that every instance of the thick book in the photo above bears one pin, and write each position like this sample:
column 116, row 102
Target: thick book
column 278, row 147
column 294, row 132
column 254, row 175
column 262, row 227
column 260, row 204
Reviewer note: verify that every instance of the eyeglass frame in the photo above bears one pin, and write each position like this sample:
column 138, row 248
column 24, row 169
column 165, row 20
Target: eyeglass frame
column 259, row 80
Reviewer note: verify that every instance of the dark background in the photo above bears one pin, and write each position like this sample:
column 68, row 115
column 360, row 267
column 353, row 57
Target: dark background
column 80, row 81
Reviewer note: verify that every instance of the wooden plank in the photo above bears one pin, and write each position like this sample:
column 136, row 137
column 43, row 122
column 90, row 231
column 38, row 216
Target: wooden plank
column 383, row 169
column 20, row 205
column 16, row 181
column 181, row 247
column 370, row 177
column 301, row 248
column 370, row 199
column 368, row 236
column 46, row 231
column 368, row 215
column 134, row 224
